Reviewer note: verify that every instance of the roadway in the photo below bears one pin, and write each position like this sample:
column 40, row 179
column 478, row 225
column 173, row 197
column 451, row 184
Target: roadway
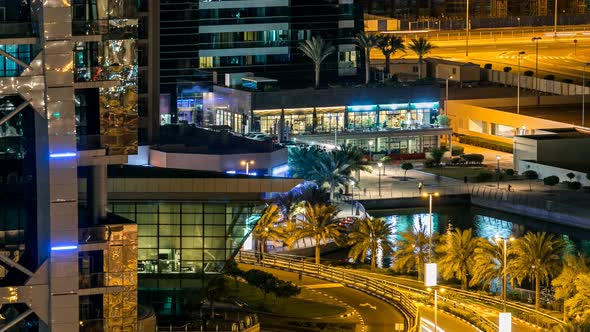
column 375, row 315
column 559, row 56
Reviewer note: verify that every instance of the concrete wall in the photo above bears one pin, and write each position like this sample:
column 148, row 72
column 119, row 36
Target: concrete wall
column 461, row 112
column 216, row 162
column 546, row 170
column 566, row 150
column 406, row 67
column 461, row 73
column 524, row 149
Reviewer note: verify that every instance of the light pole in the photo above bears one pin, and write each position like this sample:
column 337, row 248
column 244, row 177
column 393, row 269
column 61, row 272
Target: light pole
column 352, row 200
column 247, row 163
column 467, row 30
column 536, row 41
column 429, row 195
column 436, row 289
column 504, row 269
column 555, row 20
column 447, row 93
column 379, row 165
column 584, row 94
column 498, row 170
column 371, row 150
column 518, row 84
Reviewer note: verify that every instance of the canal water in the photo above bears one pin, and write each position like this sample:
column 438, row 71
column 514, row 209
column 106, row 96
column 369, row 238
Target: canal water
column 485, row 223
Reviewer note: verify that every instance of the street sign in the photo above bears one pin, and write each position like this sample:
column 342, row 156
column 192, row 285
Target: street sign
column 505, row 322
column 430, row 273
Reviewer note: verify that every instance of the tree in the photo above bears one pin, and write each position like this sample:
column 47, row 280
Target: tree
column 537, row 258
column 265, row 228
column 389, row 45
column 367, row 42
column 406, row 167
column 317, row 49
column 571, row 176
column 488, row 263
column 372, row 235
column 551, row 181
column 421, row 47
column 457, row 251
column 437, row 154
column 564, row 284
column 354, row 156
column 319, row 222
column 530, row 175
column 215, row 289
column 264, row 281
column 443, row 121
column 331, row 172
column 579, row 305
column 411, row 250
column 286, row 289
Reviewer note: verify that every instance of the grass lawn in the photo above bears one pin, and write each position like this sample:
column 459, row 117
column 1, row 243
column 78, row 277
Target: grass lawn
column 457, row 172
column 292, row 307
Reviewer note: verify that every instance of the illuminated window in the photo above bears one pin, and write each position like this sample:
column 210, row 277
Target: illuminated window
column 206, row 62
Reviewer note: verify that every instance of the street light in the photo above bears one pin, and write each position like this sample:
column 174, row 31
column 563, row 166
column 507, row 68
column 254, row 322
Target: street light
column 447, row 92
column 555, row 20
column 371, row 150
column 379, row 165
column 467, row 30
column 498, row 169
column 504, row 272
column 584, row 93
column 335, row 129
column 536, row 40
column 247, row 163
column 429, row 195
column 518, row 84
column 352, row 200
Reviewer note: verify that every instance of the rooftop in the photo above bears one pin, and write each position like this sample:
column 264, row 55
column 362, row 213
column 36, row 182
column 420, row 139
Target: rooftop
column 565, row 113
column 138, row 172
column 559, row 133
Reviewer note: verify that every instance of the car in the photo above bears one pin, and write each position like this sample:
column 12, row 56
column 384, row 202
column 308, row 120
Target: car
column 260, row 137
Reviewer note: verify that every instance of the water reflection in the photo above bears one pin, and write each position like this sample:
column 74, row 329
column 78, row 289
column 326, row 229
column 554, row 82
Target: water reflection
column 485, row 223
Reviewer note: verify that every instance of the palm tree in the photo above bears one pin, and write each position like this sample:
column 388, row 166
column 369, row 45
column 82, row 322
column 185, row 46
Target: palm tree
column 367, row 42
column 331, row 172
column 370, row 234
column 265, row 228
column 488, row 263
column 411, row 251
column 421, row 47
column 389, row 45
column 353, row 156
column 538, row 258
column 564, row 284
column 317, row 49
column 457, row 250
column 320, row 223
column 578, row 306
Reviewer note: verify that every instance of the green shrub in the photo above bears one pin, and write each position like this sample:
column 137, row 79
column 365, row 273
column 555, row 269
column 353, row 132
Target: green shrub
column 486, row 143
column 507, row 69
column 456, row 160
column 484, row 176
column 528, row 73
column 429, row 163
column 487, row 66
column 473, row 158
column 551, row 180
column 574, row 185
column 509, row 172
column 570, row 176
column 457, row 150
column 549, row 77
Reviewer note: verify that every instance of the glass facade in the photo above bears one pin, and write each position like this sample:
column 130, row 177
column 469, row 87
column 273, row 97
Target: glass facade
column 188, row 237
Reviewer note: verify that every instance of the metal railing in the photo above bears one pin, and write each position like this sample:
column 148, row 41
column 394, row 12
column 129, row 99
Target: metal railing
column 396, row 294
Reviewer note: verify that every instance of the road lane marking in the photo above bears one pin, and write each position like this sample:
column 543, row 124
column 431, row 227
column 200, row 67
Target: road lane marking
column 368, row 305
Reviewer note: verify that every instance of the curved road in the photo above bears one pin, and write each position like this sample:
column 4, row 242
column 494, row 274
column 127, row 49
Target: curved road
column 377, row 316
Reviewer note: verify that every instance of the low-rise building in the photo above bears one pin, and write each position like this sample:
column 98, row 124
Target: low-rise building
column 460, row 71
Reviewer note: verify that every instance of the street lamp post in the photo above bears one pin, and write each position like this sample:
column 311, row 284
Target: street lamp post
column 584, row 94
column 447, row 93
column 518, row 84
column 247, row 163
column 504, row 269
column 371, row 150
column 555, row 20
column 352, row 200
column 379, row 165
column 536, row 41
column 467, row 30
column 498, row 170
column 429, row 195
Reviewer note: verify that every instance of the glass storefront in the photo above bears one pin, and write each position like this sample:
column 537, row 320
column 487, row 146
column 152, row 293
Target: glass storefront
column 329, row 118
column 183, row 237
column 395, row 145
column 224, row 117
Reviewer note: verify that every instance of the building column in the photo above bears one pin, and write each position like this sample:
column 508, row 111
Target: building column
column 97, row 193
column 154, row 70
column 281, row 127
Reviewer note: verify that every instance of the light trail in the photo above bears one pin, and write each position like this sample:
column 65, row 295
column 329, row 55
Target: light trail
column 431, row 325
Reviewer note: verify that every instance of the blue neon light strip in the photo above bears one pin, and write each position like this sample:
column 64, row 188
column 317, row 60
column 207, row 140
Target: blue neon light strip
column 62, row 248
column 63, row 155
